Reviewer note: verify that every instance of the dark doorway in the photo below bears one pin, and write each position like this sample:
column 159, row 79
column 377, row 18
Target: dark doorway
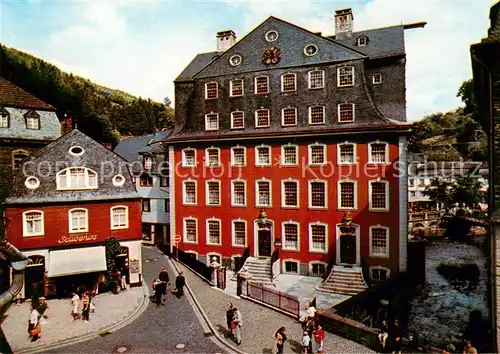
column 34, row 276
column 264, row 243
column 348, row 249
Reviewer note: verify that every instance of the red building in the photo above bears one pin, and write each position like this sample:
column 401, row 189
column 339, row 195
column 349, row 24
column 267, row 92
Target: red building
column 69, row 198
column 310, row 128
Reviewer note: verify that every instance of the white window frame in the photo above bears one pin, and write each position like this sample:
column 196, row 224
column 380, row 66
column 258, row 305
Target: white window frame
column 309, row 114
column 294, row 82
column 283, row 193
column 387, row 197
column 257, row 162
column 184, row 230
column 353, row 105
column 86, row 220
column 233, row 233
column 388, row 238
column 257, row 200
column 283, row 117
column 231, row 88
column 216, row 90
column 193, row 252
column 309, row 194
column 361, row 43
column 375, row 82
column 309, row 79
column 232, row 118
column 209, row 256
column 208, row 232
column 282, row 160
column 25, row 229
column 207, row 192
column 207, row 128
column 184, row 164
column 311, row 248
column 184, row 191
column 68, row 178
column 370, row 158
column 290, row 260
column 207, row 161
column 379, row 268
column 233, row 163
column 255, row 85
column 114, row 227
column 316, row 262
column 268, row 118
column 353, row 76
column 339, row 194
column 233, row 194
column 283, row 243
column 339, row 155
column 309, row 153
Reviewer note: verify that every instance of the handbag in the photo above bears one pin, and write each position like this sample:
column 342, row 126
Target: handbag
column 35, row 331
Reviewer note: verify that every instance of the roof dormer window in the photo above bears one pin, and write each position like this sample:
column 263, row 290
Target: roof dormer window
column 76, row 178
column 4, row 118
column 362, row 41
column 32, row 120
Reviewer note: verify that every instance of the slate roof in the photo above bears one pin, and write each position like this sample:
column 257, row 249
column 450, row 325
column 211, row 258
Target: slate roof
column 14, row 96
column 382, row 42
column 130, row 147
column 46, row 162
column 197, row 64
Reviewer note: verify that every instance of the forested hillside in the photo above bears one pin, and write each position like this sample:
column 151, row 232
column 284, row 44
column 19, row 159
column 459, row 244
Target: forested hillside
column 102, row 113
column 452, row 135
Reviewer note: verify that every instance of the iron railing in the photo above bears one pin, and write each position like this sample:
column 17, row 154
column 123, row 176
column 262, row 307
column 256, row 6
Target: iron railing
column 274, row 298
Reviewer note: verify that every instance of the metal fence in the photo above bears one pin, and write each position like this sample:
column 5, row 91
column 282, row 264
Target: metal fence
column 277, row 299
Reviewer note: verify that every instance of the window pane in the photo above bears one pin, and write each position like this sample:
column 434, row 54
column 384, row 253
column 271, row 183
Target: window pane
column 378, row 153
column 318, row 235
column 347, row 195
column 190, row 192
column 347, row 153
column 288, row 82
column 317, row 154
column 379, row 241
column 318, row 194
column 239, row 233
column 346, row 112
column 317, row 114
column 262, row 84
column 291, row 236
column 237, row 88
column 262, row 118
column 346, row 76
column 190, row 230
column 316, row 79
column 238, row 156
column 263, row 157
column 264, row 193
column 213, row 193
column 213, row 231
column 238, row 193
column 237, row 120
column 211, row 90
column 289, row 116
column 379, row 195
column 291, row 198
column 289, row 155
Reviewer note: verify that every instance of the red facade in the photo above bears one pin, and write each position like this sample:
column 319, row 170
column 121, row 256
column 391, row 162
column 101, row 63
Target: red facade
column 362, row 172
column 56, row 224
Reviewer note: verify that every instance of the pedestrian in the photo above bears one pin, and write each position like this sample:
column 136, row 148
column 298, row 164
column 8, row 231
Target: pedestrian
column 180, row 281
column 158, row 287
column 280, row 337
column 229, row 319
column 384, row 333
column 123, row 279
column 34, row 328
column 91, row 300
column 310, row 330
column 311, row 311
column 319, row 338
column 469, row 349
column 75, row 302
column 396, row 335
column 238, row 322
column 306, row 340
column 85, row 307
column 164, row 279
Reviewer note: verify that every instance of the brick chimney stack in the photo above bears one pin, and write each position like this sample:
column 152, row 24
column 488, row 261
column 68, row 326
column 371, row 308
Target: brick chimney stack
column 343, row 23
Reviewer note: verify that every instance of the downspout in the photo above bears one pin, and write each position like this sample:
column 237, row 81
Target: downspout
column 18, row 268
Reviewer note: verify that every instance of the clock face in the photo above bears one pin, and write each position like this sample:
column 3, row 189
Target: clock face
column 235, row 60
column 310, row 50
column 271, row 56
column 271, row 36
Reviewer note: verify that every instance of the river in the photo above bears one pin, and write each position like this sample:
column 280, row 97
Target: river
column 440, row 312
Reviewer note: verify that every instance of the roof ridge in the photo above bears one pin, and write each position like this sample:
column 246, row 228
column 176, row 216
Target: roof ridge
column 12, row 95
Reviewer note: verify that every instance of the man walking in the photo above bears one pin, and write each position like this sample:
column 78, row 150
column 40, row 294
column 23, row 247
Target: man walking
column 164, row 279
column 180, row 281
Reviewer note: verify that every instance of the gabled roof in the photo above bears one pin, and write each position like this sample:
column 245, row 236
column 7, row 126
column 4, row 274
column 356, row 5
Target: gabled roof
column 197, row 64
column 14, row 96
column 48, row 161
column 130, row 147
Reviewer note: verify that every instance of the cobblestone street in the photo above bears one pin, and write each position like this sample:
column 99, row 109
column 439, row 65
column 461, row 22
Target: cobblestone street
column 259, row 322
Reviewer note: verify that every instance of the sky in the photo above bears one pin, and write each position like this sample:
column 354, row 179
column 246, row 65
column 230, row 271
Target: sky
column 140, row 46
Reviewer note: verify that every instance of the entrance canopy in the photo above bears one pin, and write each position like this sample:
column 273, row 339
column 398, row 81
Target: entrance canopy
column 77, row 261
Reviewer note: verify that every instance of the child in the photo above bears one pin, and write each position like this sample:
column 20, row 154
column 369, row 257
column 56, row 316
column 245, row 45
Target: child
column 305, row 342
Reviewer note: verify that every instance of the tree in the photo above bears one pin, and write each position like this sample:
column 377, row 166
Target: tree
column 468, row 97
column 442, row 192
column 467, row 191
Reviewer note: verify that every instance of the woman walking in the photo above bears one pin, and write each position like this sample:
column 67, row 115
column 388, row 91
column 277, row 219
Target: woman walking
column 280, row 339
column 238, row 321
column 229, row 318
column 75, row 301
column 319, row 337
column 34, row 329
column 86, row 307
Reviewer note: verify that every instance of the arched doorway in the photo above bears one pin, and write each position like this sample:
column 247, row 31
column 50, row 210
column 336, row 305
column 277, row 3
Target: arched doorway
column 35, row 276
column 121, row 263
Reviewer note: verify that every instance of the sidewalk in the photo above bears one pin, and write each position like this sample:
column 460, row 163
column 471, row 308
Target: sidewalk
column 59, row 326
column 259, row 322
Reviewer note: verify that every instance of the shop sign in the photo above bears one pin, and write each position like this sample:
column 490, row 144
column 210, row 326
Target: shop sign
column 134, row 266
column 77, row 238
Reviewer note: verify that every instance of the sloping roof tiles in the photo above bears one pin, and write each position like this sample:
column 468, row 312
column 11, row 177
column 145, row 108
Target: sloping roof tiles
column 14, row 96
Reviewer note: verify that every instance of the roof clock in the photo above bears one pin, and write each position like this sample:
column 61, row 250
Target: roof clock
column 272, row 36
column 271, row 56
column 310, row 50
column 235, row 60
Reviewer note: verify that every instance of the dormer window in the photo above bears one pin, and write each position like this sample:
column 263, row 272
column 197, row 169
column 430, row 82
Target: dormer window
column 362, row 41
column 32, row 120
column 76, row 178
column 148, row 162
column 4, row 118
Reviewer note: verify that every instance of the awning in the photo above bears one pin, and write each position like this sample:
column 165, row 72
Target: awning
column 77, row 261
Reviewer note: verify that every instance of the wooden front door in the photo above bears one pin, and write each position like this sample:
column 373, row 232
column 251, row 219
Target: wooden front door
column 348, row 249
column 264, row 243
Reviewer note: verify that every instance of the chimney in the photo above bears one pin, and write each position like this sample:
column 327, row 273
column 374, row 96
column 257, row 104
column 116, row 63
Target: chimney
column 343, row 23
column 66, row 124
column 225, row 40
